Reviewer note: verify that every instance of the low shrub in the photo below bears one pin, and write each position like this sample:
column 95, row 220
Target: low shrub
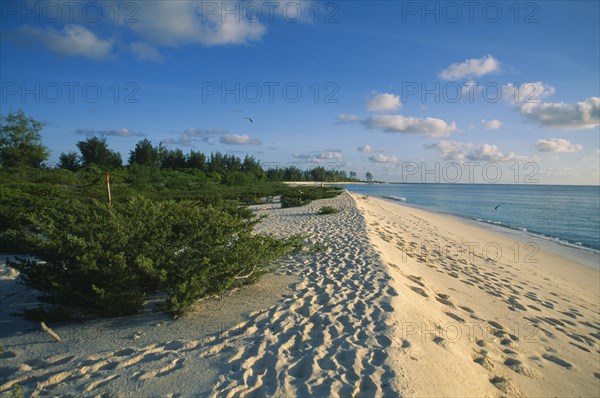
column 327, row 210
column 302, row 196
column 110, row 260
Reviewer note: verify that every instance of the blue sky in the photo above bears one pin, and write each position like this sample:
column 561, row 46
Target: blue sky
column 397, row 88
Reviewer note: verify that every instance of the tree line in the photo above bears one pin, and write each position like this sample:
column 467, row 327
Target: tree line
column 21, row 145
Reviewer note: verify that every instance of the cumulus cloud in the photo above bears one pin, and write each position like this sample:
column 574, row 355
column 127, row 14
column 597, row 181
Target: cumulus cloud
column 529, row 92
column 72, row 40
column 492, row 124
column 144, row 52
column 383, row 102
column 557, row 145
column 331, row 154
column 383, row 159
column 347, row 118
column 429, row 126
column 460, row 151
column 123, row 132
column 327, row 154
column 183, row 22
column 473, row 67
column 582, row 115
column 237, row 139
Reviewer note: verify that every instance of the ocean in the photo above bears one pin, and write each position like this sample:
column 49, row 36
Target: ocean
column 566, row 214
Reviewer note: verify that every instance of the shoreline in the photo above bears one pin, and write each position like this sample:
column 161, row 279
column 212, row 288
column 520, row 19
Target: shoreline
column 585, row 255
column 473, row 323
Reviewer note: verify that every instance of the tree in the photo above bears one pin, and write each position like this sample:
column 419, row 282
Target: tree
column 292, row 173
column 20, row 141
column 95, row 151
column 352, row 175
column 196, row 160
column 173, row 159
column 145, row 154
column 369, row 176
column 252, row 166
column 317, row 174
column 69, row 161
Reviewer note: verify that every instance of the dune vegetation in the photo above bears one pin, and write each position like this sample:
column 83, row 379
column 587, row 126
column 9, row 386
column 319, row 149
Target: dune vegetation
column 175, row 223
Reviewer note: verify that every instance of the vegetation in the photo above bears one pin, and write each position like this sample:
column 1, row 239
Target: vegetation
column 319, row 173
column 327, row 210
column 69, row 161
column 110, row 260
column 95, row 151
column 177, row 223
column 20, row 141
column 304, row 195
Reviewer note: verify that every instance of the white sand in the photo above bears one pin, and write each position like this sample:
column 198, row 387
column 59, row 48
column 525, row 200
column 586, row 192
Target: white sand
column 522, row 323
column 370, row 315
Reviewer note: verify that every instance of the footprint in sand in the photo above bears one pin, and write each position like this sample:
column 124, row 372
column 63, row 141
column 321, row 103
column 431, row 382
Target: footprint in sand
column 420, row 291
column 444, row 299
column 557, row 360
column 504, row 385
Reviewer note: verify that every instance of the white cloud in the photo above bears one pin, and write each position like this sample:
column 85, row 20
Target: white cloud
column 123, row 132
column 402, row 124
column 237, row 139
column 529, row 92
column 176, row 23
column 144, row 52
column 557, row 145
column 493, row 124
column 470, row 68
column 582, row 115
column 191, row 136
column 365, row 149
column 72, row 40
column 459, row 151
column 347, row 118
column 383, row 159
column 327, row 154
column 383, row 102
column 302, row 156
column 331, row 154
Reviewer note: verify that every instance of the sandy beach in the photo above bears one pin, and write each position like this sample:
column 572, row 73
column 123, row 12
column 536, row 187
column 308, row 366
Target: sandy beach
column 480, row 314
column 393, row 301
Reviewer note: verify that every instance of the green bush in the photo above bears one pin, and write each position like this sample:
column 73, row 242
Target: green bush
column 110, row 260
column 327, row 210
column 302, row 196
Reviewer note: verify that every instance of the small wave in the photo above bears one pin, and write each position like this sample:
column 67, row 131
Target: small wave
column 557, row 240
column 396, row 198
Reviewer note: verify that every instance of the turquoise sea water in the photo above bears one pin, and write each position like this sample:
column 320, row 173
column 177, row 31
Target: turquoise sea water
column 564, row 213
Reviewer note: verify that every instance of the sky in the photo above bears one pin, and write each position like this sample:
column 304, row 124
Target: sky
column 411, row 91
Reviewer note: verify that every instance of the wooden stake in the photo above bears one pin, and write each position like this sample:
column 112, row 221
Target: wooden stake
column 108, row 187
column 50, row 332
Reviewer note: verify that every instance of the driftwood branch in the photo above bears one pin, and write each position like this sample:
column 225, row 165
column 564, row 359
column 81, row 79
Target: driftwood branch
column 246, row 276
column 50, row 332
